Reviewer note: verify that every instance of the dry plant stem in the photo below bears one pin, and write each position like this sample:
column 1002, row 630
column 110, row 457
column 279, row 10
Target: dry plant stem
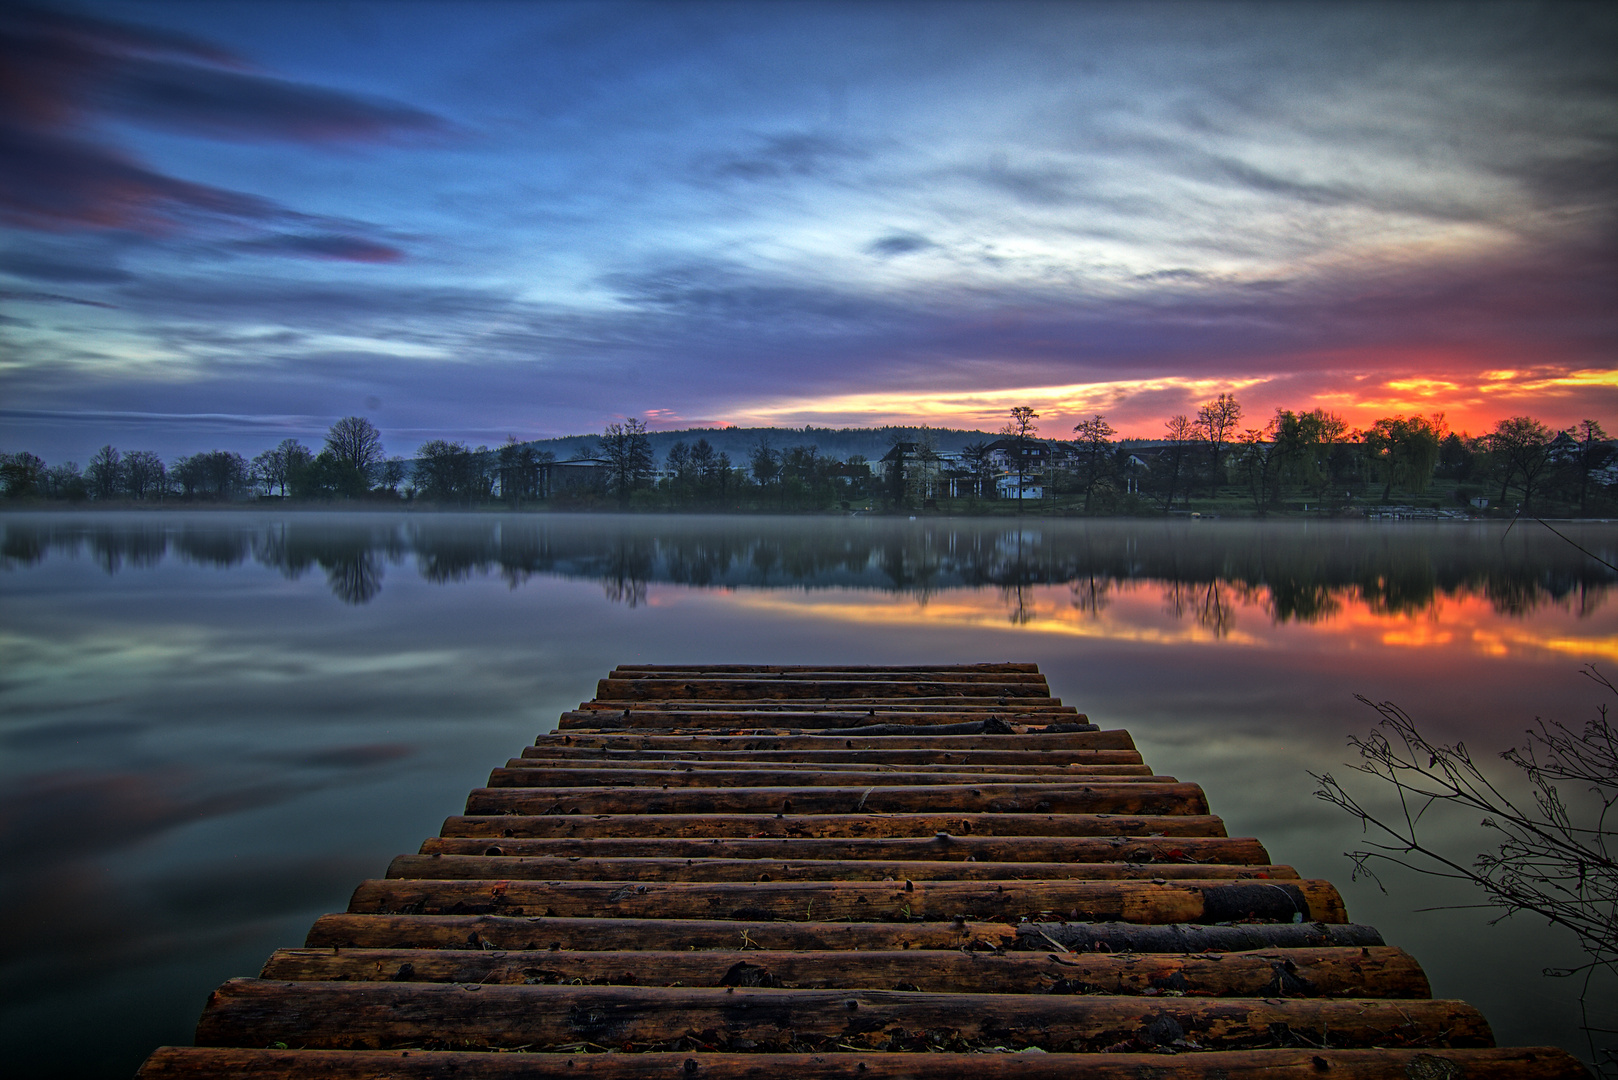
column 1550, row 861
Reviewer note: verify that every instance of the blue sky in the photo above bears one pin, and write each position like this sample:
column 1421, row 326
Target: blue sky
column 229, row 223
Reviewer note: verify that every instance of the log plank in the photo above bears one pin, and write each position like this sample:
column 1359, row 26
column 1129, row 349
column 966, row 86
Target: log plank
column 1139, row 850
column 833, row 825
column 1310, row 972
column 346, row 1015
column 1503, row 1063
column 1194, row 901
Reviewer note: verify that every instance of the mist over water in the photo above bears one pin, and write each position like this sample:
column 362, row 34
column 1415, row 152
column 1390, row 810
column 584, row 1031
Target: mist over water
column 214, row 725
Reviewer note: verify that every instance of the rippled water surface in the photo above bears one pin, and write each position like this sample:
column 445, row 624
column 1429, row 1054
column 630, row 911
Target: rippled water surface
column 212, row 726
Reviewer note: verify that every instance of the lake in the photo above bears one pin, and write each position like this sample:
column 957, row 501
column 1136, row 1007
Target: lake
column 214, row 725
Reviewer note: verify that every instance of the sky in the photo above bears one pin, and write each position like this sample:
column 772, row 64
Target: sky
column 225, row 224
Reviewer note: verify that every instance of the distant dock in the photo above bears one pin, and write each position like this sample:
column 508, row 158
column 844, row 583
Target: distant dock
column 852, row 872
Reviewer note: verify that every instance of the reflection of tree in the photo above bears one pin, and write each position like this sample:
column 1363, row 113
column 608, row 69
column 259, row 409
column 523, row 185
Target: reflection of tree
column 1019, row 602
column 1216, row 608
column 1291, row 600
column 1092, row 594
column 629, row 568
column 355, row 576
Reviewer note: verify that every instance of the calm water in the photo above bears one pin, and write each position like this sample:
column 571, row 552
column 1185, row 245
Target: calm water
column 212, row 726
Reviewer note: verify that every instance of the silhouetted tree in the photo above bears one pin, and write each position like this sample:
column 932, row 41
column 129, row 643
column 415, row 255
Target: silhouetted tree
column 1020, row 427
column 1593, row 454
column 144, row 474
column 1404, row 450
column 356, row 447
column 105, row 473
column 1181, row 433
column 1092, row 439
column 21, row 474
column 1523, row 447
column 1216, row 424
column 629, row 457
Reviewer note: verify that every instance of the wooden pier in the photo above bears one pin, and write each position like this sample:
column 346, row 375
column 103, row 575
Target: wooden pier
column 938, row 872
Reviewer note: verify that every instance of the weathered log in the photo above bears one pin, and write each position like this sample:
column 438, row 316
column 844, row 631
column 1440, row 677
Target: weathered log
column 1155, row 851
column 589, row 776
column 907, row 724
column 801, row 768
column 679, row 935
column 254, row 1012
column 1197, row 901
column 1113, row 739
column 831, row 675
column 1118, row 937
column 834, row 825
column 771, row 669
column 777, row 689
column 549, row 750
column 1341, row 972
column 564, row 868
column 1505, row 1063
column 1018, row 798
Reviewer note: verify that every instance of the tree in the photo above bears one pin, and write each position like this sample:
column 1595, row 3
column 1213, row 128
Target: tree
column 1523, row 446
column 143, row 474
column 1216, row 424
column 443, row 470
column 356, row 446
column 1181, row 434
column 766, row 462
column 1092, row 437
column 629, row 457
column 520, row 467
column 1593, row 453
column 1259, row 461
column 976, row 456
column 105, row 473
column 1405, row 450
column 1020, row 427
column 21, row 474
column 1555, row 858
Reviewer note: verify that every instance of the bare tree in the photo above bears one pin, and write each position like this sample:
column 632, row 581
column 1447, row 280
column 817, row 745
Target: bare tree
column 356, row 446
column 1555, row 858
column 629, row 455
column 1181, row 433
column 105, row 473
column 1093, row 438
column 1020, row 427
column 143, row 474
column 1216, row 423
column 1593, row 453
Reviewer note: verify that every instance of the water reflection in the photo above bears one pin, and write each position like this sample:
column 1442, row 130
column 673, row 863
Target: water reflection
column 1210, row 572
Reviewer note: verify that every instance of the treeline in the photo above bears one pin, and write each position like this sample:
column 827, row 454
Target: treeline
column 1210, row 460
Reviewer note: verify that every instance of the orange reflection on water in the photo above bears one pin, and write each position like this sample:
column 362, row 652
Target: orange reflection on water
column 1223, row 614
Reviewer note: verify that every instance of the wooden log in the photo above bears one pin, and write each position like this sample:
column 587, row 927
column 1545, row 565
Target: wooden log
column 831, row 675
column 254, row 1012
column 606, row 934
column 1504, row 1063
column 1321, row 972
column 946, row 709
column 833, row 825
column 913, row 723
column 547, row 750
column 1113, row 739
column 1142, row 850
column 777, row 689
column 553, row 776
column 1196, row 901
column 773, row 669
column 1123, row 937
column 563, row 868
column 800, row 768
column 1067, row 798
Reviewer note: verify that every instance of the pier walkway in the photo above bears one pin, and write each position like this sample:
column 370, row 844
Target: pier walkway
column 852, row 872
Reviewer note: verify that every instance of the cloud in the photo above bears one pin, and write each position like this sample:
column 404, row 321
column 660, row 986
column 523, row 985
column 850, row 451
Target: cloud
column 898, row 243
column 67, row 72
column 230, row 105
column 325, row 246
column 782, row 156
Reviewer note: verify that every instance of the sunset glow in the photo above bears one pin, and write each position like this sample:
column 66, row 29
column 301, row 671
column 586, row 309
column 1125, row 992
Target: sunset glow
column 226, row 224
